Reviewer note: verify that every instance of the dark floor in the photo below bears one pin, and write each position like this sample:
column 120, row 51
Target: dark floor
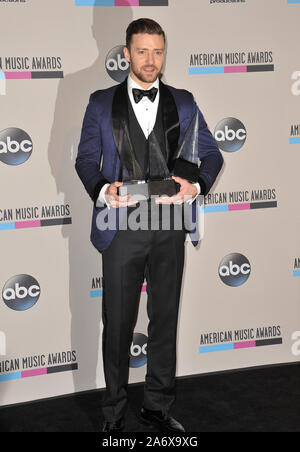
column 254, row 400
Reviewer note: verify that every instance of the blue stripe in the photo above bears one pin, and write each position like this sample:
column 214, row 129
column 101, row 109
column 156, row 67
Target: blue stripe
column 94, row 2
column 293, row 1
column 295, row 140
column 2, row 76
column 296, row 273
column 216, row 348
column 207, row 70
column 221, row 208
column 96, row 293
column 12, row 376
column 6, row 226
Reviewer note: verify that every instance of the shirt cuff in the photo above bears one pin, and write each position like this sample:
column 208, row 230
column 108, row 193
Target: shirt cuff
column 197, row 185
column 101, row 198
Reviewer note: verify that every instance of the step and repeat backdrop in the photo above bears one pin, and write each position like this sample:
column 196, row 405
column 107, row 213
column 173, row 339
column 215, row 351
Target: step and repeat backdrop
column 240, row 302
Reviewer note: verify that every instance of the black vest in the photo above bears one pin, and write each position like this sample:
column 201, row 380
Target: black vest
column 140, row 142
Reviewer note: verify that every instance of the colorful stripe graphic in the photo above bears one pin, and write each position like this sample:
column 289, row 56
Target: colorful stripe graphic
column 239, row 345
column 230, row 69
column 121, row 2
column 34, row 223
column 243, row 206
column 31, row 75
column 294, row 140
column 2, row 84
column 207, row 209
column 98, row 293
column 37, row 372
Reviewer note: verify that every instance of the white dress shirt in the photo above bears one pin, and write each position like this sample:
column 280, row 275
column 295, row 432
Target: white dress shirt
column 145, row 112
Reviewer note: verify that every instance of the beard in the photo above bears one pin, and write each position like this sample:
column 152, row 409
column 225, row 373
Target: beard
column 144, row 77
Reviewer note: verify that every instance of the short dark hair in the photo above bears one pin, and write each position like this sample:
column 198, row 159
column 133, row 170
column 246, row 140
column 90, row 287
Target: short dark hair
column 148, row 26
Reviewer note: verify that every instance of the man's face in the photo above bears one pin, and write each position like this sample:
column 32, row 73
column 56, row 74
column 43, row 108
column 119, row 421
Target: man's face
column 146, row 57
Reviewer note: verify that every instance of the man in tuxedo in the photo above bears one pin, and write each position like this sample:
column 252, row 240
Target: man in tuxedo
column 118, row 125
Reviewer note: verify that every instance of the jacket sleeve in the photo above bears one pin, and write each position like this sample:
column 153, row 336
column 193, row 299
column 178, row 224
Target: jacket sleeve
column 209, row 155
column 90, row 152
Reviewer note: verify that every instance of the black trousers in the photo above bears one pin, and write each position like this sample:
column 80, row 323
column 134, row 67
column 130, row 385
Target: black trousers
column 133, row 255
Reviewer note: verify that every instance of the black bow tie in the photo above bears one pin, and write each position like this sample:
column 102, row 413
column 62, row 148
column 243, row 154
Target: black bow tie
column 138, row 94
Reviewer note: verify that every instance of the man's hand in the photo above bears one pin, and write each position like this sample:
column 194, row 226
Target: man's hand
column 187, row 191
column 114, row 200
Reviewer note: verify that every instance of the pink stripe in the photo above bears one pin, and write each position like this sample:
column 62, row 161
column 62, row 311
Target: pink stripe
column 127, row 2
column 34, row 372
column 144, row 287
column 27, row 224
column 233, row 69
column 17, row 75
column 249, row 344
column 245, row 206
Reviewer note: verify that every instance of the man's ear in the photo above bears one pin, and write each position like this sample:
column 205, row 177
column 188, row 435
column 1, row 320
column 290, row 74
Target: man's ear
column 127, row 54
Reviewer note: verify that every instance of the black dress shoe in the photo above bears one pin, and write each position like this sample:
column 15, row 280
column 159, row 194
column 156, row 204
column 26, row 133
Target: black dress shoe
column 164, row 422
column 115, row 426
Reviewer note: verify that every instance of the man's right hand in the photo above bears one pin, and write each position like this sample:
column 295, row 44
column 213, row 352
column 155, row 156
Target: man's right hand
column 114, row 200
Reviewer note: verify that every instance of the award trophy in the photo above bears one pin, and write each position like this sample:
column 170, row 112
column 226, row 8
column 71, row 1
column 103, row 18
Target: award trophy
column 157, row 180
column 185, row 162
column 160, row 182
column 132, row 176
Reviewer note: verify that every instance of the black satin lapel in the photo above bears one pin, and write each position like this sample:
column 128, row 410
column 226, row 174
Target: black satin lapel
column 120, row 129
column 170, row 121
column 119, row 114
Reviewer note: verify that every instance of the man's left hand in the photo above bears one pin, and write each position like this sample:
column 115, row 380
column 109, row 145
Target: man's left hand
column 187, row 191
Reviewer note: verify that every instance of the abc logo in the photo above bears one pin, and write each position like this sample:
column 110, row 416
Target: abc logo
column 296, row 84
column 230, row 134
column 15, row 146
column 138, row 350
column 296, row 344
column 234, row 269
column 21, row 292
column 116, row 64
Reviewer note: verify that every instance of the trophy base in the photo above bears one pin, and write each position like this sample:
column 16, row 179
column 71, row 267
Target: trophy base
column 167, row 187
column 139, row 191
column 143, row 191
